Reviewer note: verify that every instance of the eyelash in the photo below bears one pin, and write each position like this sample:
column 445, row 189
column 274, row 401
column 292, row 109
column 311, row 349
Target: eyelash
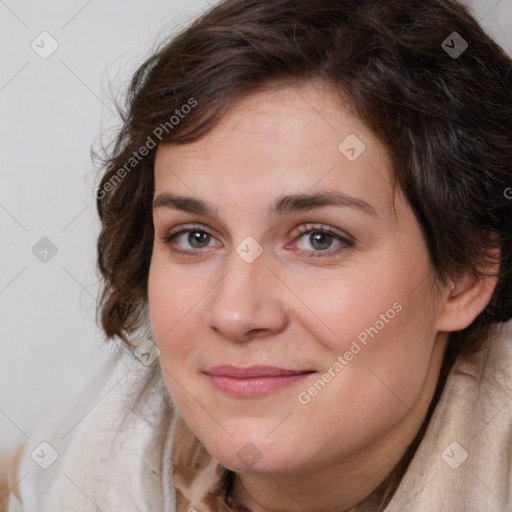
column 346, row 242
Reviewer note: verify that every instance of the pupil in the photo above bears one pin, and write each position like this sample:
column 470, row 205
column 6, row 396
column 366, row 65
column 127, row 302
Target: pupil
column 197, row 236
column 321, row 238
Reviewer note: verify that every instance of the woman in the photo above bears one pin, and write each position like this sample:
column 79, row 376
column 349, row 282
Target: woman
column 306, row 257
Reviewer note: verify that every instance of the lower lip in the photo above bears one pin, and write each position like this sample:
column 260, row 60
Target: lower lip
column 254, row 386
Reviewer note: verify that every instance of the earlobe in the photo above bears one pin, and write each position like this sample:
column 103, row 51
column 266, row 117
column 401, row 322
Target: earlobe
column 465, row 298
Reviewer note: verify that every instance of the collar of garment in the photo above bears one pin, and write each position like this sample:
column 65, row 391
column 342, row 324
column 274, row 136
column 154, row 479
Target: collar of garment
column 201, row 482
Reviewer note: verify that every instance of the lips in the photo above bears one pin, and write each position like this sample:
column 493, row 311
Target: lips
column 253, row 380
column 251, row 371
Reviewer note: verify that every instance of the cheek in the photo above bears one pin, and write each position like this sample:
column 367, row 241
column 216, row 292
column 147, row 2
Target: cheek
column 170, row 308
column 358, row 305
column 379, row 373
column 172, row 294
column 381, row 323
column 171, row 304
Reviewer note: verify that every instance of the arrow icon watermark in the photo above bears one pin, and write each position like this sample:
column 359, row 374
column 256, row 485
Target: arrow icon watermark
column 44, row 250
column 249, row 249
column 352, row 147
column 455, row 45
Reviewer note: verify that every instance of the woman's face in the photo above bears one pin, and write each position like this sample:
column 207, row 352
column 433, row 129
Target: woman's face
column 291, row 303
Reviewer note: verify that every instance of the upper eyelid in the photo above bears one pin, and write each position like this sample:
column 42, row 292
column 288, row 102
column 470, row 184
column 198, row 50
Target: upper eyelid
column 299, row 230
column 319, row 226
column 188, row 227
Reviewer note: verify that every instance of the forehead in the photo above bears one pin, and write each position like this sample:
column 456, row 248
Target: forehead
column 283, row 140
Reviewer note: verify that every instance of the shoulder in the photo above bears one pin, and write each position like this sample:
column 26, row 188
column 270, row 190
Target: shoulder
column 9, row 463
column 27, row 474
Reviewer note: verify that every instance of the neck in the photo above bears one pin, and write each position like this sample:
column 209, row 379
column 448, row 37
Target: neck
column 364, row 482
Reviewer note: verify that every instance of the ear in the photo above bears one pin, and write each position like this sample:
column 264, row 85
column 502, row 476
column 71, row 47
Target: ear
column 465, row 298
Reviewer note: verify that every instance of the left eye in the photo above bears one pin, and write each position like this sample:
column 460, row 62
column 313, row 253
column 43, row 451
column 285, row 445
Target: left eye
column 321, row 239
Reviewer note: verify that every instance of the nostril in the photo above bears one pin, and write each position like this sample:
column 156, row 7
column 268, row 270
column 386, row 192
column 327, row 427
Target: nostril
column 256, row 331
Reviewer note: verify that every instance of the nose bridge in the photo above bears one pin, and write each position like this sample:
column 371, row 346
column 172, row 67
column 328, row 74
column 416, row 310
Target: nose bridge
column 245, row 299
column 240, row 289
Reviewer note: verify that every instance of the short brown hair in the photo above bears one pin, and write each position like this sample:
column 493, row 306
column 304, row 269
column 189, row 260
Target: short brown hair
column 446, row 121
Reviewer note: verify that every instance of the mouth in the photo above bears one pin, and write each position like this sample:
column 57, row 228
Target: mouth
column 253, row 380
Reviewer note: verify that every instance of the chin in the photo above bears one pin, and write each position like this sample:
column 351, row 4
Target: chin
column 250, row 453
column 252, row 463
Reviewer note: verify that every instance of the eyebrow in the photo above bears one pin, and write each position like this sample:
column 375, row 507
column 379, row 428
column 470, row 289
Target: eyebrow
column 281, row 205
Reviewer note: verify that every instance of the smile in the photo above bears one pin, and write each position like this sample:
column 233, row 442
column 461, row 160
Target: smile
column 253, row 381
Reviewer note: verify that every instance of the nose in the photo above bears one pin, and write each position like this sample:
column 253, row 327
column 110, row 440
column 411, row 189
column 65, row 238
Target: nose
column 247, row 302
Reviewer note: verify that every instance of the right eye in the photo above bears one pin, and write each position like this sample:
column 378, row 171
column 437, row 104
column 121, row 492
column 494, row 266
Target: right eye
column 196, row 237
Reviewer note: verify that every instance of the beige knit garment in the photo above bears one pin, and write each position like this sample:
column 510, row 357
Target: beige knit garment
column 464, row 461
column 112, row 460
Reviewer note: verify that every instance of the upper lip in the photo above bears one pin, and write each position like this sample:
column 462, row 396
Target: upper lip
column 251, row 371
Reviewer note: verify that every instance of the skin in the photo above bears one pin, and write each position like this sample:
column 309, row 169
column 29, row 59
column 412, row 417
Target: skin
column 290, row 310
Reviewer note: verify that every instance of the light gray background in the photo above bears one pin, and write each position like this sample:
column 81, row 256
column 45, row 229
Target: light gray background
column 52, row 111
